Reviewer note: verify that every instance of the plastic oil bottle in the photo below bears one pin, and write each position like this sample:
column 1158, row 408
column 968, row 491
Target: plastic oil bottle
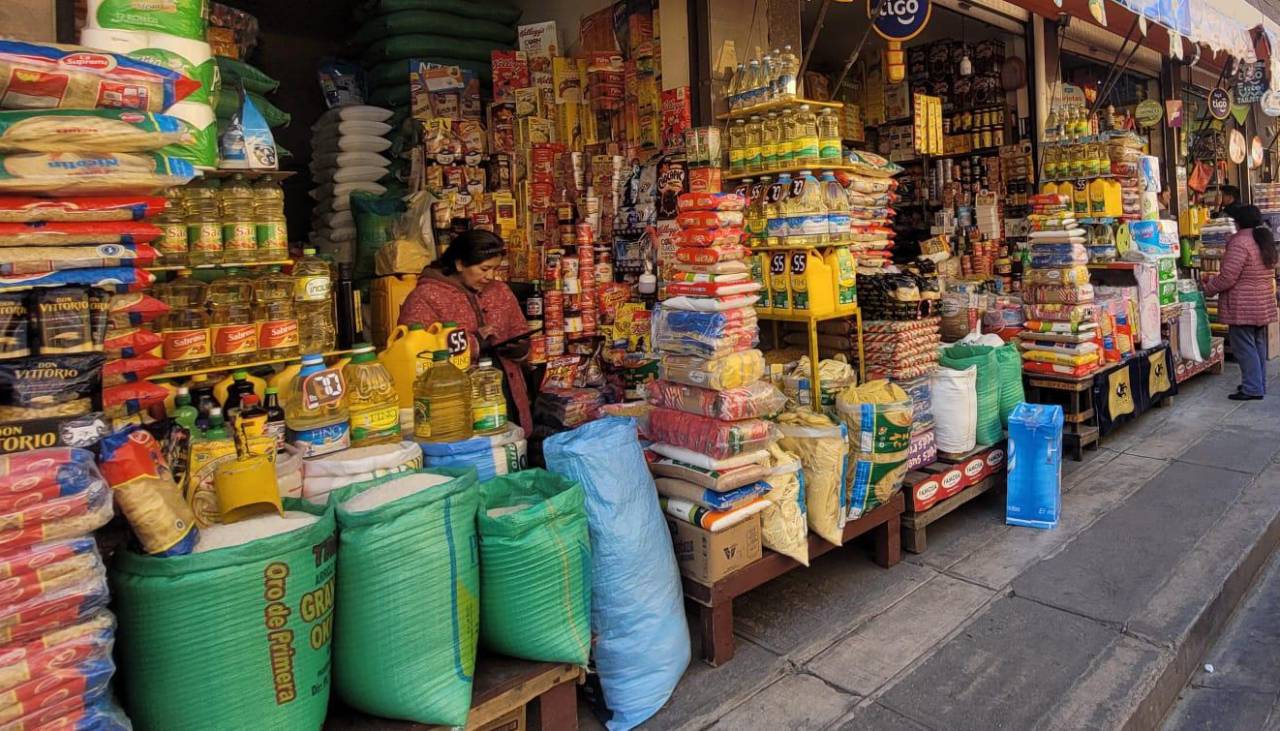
column 810, row 284
column 275, row 315
column 403, row 359
column 204, row 223
column 779, row 283
column 185, row 340
column 807, row 211
column 829, row 142
column 844, row 277
column 836, row 201
column 172, row 243
column 232, row 326
column 806, row 138
column 239, row 231
column 770, row 137
column 317, row 422
column 313, row 303
column 372, row 400
column 754, row 145
column 786, row 153
column 443, row 402
column 488, row 405
column 738, row 147
column 270, row 230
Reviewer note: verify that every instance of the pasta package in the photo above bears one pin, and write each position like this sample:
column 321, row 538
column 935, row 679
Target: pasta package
column 702, row 237
column 711, row 520
column 132, row 342
column 57, row 519
column 715, row 438
column 83, row 641
column 45, row 387
column 88, row 130
column 127, row 399
column 153, row 504
column 45, row 259
column 708, row 498
column 823, row 450
column 51, row 76
column 710, row 202
column 25, row 209
column 76, row 233
column 133, row 309
column 878, row 416
column 132, row 370
column 783, row 527
column 15, row 330
column 117, row 279
column 710, row 219
column 760, row 399
column 59, row 174
column 716, row 480
column 731, row 371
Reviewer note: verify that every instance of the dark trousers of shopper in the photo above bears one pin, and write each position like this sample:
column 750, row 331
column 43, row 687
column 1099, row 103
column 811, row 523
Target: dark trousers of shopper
column 1249, row 346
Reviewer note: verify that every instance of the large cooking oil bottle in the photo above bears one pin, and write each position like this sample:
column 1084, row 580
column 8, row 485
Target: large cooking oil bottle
column 443, row 403
column 372, row 401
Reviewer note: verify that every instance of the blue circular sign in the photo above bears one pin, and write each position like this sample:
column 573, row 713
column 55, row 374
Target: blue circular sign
column 899, row 20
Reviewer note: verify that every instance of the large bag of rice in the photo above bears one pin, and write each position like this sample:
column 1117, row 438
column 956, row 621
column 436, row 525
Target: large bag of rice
column 878, row 415
column 1009, row 366
column 420, row 45
column 498, row 12
column 782, row 524
column 983, row 357
column 405, row 640
column 955, row 410
column 322, row 475
column 535, row 568
column 823, row 449
column 637, row 607
column 245, row 619
column 492, row 455
column 427, row 21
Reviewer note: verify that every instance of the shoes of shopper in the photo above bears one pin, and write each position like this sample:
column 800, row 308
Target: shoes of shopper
column 1241, row 396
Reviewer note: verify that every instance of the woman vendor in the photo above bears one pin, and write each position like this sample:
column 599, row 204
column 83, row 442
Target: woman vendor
column 460, row 287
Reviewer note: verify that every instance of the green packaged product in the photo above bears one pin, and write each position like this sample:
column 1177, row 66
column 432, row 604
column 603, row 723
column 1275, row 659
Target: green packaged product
column 182, row 18
column 422, row 45
column 405, row 640
column 426, row 21
column 535, row 568
column 227, row 102
column 982, row 357
column 498, row 12
column 1009, row 366
column 238, row 72
column 375, row 216
column 248, row 624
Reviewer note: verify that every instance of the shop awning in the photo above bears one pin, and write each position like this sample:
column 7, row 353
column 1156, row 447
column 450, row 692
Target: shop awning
column 1225, row 25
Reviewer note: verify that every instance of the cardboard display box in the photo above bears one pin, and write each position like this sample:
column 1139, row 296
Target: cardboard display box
column 925, row 489
column 707, row 557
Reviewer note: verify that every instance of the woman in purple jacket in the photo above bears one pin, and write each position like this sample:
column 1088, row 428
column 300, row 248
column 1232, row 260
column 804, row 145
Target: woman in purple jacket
column 1246, row 289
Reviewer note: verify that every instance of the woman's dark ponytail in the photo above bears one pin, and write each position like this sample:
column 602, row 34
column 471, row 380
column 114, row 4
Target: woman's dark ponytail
column 1266, row 241
column 1251, row 217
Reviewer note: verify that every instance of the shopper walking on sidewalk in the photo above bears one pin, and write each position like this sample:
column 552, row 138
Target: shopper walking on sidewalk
column 1246, row 289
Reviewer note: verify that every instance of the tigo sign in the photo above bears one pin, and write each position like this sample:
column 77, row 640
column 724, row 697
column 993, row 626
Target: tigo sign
column 899, row 20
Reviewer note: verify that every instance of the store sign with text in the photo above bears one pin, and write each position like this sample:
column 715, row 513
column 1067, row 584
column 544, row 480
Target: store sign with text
column 899, row 20
column 1219, row 103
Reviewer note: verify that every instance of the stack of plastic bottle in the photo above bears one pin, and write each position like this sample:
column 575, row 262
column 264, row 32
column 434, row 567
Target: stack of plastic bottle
column 710, row 402
column 1063, row 332
column 56, row 633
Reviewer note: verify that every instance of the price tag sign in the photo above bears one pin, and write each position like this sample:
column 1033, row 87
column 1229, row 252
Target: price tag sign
column 1219, row 103
column 899, row 20
column 323, row 388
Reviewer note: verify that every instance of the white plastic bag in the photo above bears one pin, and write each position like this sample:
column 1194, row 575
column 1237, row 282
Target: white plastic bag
column 322, row 475
column 1188, row 341
column 955, row 409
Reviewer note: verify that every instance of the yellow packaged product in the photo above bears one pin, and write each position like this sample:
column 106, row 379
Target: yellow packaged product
column 823, row 450
column 878, row 415
column 782, row 524
column 731, row 371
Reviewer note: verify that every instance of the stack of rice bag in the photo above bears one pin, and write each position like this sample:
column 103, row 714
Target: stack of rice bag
column 169, row 35
column 56, row 633
column 711, row 437
column 871, row 190
column 348, row 148
column 1061, row 330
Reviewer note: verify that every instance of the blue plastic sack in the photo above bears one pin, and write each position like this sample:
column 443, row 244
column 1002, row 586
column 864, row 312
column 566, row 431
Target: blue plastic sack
column 493, row 455
column 637, row 607
column 1035, row 466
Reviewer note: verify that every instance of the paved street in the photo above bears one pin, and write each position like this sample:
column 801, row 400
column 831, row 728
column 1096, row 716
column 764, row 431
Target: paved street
column 996, row 627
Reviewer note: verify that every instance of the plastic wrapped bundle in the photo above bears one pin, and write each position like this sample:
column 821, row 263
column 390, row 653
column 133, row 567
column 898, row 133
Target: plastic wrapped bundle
column 637, row 613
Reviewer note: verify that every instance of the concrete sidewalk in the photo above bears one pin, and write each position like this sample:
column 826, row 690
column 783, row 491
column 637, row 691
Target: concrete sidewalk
column 1096, row 624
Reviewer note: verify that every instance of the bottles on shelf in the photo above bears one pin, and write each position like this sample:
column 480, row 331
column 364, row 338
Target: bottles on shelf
column 763, row 80
column 313, row 302
column 228, row 221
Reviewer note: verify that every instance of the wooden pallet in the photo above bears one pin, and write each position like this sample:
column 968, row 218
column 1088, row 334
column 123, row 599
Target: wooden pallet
column 507, row 694
column 1185, row 369
column 1080, row 430
column 714, row 602
column 915, row 525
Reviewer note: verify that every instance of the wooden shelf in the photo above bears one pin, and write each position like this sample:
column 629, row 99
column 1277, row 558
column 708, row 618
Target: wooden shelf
column 229, row 265
column 820, row 167
column 237, row 367
column 776, row 105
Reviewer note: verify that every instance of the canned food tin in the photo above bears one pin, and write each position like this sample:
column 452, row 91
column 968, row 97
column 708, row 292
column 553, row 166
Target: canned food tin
column 538, row 349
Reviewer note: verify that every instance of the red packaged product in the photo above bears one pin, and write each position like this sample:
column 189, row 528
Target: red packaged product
column 41, row 700
column 23, row 209
column 65, row 233
column 132, row 370
column 710, row 236
column 131, row 342
column 710, row 254
column 36, row 559
column 133, row 309
column 50, row 579
column 63, row 648
column 710, row 202
column 127, row 399
column 53, row 610
column 715, row 438
column 709, row 219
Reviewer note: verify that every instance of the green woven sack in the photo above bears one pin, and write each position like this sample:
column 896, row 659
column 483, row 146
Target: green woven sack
column 238, row 72
column 1203, row 335
column 226, row 102
column 498, row 12
column 535, row 568
column 405, row 640
column 1009, row 367
column 244, row 628
column 982, row 357
column 423, row 45
column 427, row 21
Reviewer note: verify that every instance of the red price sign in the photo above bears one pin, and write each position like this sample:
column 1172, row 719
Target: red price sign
column 323, row 388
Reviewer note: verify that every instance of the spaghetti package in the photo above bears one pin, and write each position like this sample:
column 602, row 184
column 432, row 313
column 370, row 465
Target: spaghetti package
column 90, row 639
column 708, row 254
column 50, row 76
column 59, row 174
column 823, row 450
column 711, row 520
column 48, row 387
column 704, row 237
column 133, row 309
column 88, row 130
column 131, row 342
column 715, row 438
column 759, row 399
column 132, row 370
column 38, row 260
column 707, row 498
column 715, row 480
column 705, row 334
column 710, row 219
column 76, row 233
column 115, row 279
column 162, row 520
column 729, row 372
column 131, row 397
column 22, row 209
column 710, row 202
column 783, row 526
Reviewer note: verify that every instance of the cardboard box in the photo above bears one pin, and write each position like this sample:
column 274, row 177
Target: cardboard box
column 925, row 489
column 707, row 557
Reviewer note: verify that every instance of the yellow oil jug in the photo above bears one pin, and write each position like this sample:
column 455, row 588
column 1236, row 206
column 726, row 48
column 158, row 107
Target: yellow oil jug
column 386, row 296
column 779, row 283
column 400, row 357
column 282, row 382
column 760, row 273
column 844, row 278
column 811, row 284
column 448, row 336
